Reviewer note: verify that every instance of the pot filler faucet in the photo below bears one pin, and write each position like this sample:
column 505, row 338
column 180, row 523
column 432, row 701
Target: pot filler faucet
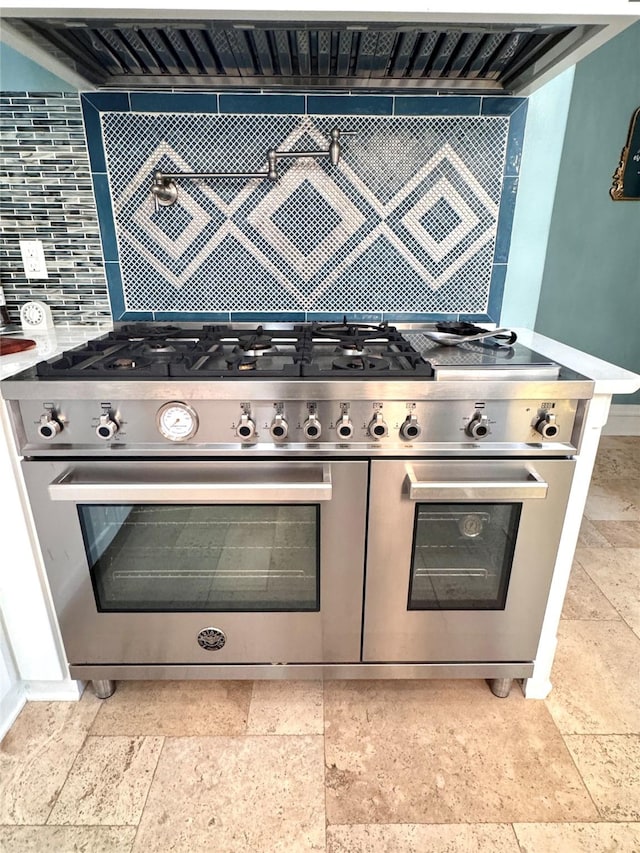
column 164, row 187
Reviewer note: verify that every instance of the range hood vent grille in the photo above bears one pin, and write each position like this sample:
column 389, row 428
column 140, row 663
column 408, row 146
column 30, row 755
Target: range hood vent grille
column 120, row 54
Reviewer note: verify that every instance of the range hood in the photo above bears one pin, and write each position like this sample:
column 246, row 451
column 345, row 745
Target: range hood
column 131, row 49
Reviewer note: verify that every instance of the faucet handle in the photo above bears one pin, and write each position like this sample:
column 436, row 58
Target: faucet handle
column 164, row 190
column 335, row 148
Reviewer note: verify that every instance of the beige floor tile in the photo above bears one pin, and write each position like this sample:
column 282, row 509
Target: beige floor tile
column 620, row 534
column 66, row 839
column 175, row 708
column 596, row 689
column 610, row 768
column 444, row 752
column 252, row 793
column 616, row 571
column 618, row 458
column 584, row 600
column 578, row 837
column 614, row 500
column 36, row 756
column 108, row 783
column 419, row 838
column 286, row 708
column 590, row 536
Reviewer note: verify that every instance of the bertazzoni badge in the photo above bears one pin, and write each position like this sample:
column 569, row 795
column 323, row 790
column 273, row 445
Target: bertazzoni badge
column 211, row 639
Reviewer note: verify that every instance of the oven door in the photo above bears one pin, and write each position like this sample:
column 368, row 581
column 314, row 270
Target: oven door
column 460, row 557
column 203, row 562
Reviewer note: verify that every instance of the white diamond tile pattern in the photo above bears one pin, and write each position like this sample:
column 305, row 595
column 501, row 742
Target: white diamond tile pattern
column 406, row 221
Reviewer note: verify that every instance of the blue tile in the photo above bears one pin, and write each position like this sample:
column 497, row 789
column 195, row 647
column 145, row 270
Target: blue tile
column 114, row 286
column 93, row 132
column 267, row 316
column 134, row 316
column 105, row 218
column 191, row 316
column 113, row 102
column 338, row 317
column 500, row 105
column 496, row 291
column 415, row 317
column 240, row 103
column 174, row 102
column 365, row 105
column 437, row 105
column 477, row 318
column 505, row 220
column 515, row 140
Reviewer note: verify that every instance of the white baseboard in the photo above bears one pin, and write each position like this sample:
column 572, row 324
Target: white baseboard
column 10, row 706
column 53, row 691
column 623, row 420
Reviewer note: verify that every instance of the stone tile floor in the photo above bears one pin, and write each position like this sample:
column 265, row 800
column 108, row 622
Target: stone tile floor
column 362, row 767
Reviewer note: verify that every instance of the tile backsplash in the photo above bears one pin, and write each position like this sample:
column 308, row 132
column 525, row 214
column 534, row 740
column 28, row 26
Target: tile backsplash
column 413, row 222
column 48, row 196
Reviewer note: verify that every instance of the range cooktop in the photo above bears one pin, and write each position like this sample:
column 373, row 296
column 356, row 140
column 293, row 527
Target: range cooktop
column 313, row 350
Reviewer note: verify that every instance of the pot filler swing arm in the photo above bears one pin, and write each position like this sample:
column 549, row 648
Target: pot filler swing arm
column 164, row 187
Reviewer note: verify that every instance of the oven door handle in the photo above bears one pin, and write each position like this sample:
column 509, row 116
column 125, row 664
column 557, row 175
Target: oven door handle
column 476, row 490
column 67, row 488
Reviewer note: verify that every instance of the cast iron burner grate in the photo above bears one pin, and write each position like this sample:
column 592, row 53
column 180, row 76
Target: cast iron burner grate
column 346, row 331
column 361, row 362
column 337, row 350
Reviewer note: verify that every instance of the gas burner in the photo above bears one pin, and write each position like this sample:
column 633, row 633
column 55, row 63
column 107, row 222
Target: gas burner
column 241, row 362
column 146, row 331
column 354, row 347
column 126, row 364
column 258, row 351
column 251, row 342
column 348, row 331
column 159, row 346
column 361, row 362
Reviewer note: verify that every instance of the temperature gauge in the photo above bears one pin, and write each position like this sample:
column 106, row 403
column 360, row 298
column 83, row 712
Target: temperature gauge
column 177, row 421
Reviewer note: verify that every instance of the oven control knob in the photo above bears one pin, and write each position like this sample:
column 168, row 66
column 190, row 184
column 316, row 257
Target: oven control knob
column 246, row 429
column 107, row 427
column 279, row 428
column 312, row 428
column 377, row 427
column 344, row 427
column 547, row 425
column 478, row 426
column 410, row 429
column 49, row 427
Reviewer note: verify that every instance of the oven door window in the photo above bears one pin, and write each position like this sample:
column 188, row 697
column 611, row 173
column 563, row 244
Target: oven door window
column 462, row 555
column 161, row 557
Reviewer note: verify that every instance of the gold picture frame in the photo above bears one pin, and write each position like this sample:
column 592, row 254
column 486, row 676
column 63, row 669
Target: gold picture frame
column 626, row 178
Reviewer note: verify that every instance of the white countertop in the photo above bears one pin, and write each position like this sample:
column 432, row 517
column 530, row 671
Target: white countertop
column 608, row 378
column 48, row 344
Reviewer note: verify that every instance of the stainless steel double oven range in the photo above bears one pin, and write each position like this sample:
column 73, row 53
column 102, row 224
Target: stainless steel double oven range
column 334, row 500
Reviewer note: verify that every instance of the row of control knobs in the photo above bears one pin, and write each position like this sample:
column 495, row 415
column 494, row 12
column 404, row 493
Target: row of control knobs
column 312, row 428
column 50, row 426
column 477, row 428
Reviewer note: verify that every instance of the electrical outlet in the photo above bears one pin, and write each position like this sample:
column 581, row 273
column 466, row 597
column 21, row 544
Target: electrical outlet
column 33, row 260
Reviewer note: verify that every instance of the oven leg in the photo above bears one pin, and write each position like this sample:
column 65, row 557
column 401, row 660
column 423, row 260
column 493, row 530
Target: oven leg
column 103, row 688
column 500, row 687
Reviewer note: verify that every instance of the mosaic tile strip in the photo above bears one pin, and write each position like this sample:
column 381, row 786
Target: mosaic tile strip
column 47, row 195
column 406, row 222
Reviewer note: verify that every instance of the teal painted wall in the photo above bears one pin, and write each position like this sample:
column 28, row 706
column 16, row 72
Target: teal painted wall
column 542, row 150
column 590, row 295
column 18, row 73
